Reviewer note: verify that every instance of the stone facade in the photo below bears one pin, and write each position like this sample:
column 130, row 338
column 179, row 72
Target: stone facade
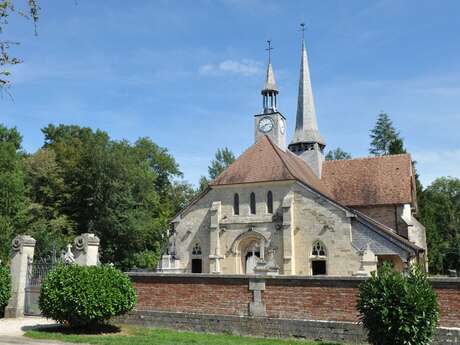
column 284, row 238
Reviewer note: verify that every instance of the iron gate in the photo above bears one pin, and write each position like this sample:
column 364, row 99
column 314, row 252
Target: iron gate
column 36, row 272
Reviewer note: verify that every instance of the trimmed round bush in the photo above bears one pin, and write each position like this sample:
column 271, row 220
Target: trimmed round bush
column 5, row 287
column 398, row 309
column 82, row 296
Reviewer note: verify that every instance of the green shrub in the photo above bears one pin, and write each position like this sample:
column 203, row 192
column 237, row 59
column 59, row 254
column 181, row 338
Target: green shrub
column 5, row 286
column 86, row 296
column 398, row 309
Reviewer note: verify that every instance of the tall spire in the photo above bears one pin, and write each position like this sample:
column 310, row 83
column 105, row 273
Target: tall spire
column 306, row 129
column 307, row 141
column 270, row 89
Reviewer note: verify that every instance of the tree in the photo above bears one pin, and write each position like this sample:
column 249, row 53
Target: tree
column 12, row 189
column 7, row 8
column 337, row 154
column 122, row 192
column 440, row 213
column 385, row 138
column 222, row 159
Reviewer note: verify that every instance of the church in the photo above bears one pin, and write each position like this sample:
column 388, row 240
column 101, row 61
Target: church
column 282, row 209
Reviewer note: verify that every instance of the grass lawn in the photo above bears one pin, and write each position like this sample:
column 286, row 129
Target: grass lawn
column 127, row 335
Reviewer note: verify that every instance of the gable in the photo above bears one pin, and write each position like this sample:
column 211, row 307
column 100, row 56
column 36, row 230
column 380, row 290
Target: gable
column 264, row 162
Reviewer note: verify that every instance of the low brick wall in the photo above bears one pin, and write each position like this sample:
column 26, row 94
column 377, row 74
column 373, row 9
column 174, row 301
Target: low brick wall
column 327, row 301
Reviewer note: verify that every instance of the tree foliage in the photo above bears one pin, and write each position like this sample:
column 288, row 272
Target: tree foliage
column 5, row 286
column 385, row 138
column 7, row 9
column 222, row 159
column 83, row 181
column 440, row 213
column 12, row 189
column 337, row 154
column 398, row 309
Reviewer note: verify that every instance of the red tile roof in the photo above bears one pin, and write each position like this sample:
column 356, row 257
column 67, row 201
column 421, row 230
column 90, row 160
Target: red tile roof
column 264, row 162
column 370, row 181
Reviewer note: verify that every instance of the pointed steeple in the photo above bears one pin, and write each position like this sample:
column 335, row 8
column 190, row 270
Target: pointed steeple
column 306, row 128
column 307, row 141
column 270, row 89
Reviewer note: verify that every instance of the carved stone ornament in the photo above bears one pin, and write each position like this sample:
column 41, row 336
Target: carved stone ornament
column 22, row 241
column 83, row 241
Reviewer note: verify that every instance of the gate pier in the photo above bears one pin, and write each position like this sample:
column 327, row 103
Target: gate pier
column 22, row 252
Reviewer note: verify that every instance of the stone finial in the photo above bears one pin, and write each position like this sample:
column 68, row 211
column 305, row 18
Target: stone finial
column 87, row 249
column 21, row 241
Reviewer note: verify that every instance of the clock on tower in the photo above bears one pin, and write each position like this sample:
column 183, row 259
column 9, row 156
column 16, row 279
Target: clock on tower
column 271, row 122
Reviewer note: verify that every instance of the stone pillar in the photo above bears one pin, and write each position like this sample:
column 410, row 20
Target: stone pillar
column 22, row 252
column 214, row 247
column 87, row 250
column 257, row 307
column 288, row 235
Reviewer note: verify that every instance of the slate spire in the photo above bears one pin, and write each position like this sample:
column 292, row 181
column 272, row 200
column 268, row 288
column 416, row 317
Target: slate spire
column 306, row 128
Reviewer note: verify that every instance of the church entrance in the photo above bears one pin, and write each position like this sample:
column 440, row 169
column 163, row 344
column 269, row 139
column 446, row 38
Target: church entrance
column 251, row 257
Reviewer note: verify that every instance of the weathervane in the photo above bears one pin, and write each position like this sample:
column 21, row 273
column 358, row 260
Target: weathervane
column 270, row 48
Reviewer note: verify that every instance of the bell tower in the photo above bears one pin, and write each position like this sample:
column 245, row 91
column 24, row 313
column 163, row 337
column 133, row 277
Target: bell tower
column 271, row 122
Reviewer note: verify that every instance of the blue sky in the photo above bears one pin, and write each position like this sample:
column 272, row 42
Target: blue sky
column 188, row 73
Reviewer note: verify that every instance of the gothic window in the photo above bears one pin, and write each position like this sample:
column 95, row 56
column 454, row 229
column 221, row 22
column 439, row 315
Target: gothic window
column 318, row 259
column 252, row 203
column 318, row 249
column 196, row 250
column 236, row 204
column 270, row 202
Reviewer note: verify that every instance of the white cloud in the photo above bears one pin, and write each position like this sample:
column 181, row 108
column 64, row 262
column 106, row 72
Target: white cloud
column 245, row 67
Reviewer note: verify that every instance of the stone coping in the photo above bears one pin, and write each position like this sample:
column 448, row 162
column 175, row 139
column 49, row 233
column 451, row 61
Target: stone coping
column 436, row 281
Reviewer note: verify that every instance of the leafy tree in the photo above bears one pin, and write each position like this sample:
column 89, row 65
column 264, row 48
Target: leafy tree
column 337, row 154
column 7, row 8
column 398, row 309
column 12, row 189
column 222, row 159
column 385, row 138
column 47, row 193
column 122, row 192
column 440, row 213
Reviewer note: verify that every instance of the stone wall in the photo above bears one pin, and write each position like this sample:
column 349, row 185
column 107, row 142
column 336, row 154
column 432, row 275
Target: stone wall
column 313, row 298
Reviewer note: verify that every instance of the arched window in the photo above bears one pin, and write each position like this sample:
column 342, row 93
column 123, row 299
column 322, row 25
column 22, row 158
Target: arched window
column 318, row 249
column 318, row 259
column 252, row 203
column 270, row 202
column 197, row 261
column 236, row 204
column 196, row 250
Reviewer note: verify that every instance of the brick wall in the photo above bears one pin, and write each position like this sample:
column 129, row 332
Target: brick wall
column 390, row 215
column 312, row 298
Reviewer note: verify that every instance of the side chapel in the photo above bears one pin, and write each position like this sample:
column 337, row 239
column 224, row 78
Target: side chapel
column 284, row 210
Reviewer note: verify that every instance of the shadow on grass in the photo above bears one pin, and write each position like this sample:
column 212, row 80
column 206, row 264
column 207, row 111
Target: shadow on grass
column 101, row 329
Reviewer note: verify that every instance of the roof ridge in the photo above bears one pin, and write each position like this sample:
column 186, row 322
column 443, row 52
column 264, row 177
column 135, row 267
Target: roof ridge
column 281, row 158
column 368, row 158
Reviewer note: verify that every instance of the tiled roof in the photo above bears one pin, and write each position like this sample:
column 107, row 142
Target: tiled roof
column 370, row 181
column 263, row 162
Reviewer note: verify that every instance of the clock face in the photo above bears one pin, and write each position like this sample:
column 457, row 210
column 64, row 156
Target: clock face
column 282, row 128
column 266, row 125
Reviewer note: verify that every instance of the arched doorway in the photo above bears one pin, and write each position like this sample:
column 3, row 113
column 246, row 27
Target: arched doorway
column 251, row 257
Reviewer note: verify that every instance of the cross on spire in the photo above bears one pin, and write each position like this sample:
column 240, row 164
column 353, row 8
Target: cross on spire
column 269, row 49
column 302, row 28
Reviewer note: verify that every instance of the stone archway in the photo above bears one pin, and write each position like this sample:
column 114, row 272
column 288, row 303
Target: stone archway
column 249, row 248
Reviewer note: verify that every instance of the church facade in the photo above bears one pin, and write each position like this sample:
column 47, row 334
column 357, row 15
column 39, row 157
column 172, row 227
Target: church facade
column 281, row 209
